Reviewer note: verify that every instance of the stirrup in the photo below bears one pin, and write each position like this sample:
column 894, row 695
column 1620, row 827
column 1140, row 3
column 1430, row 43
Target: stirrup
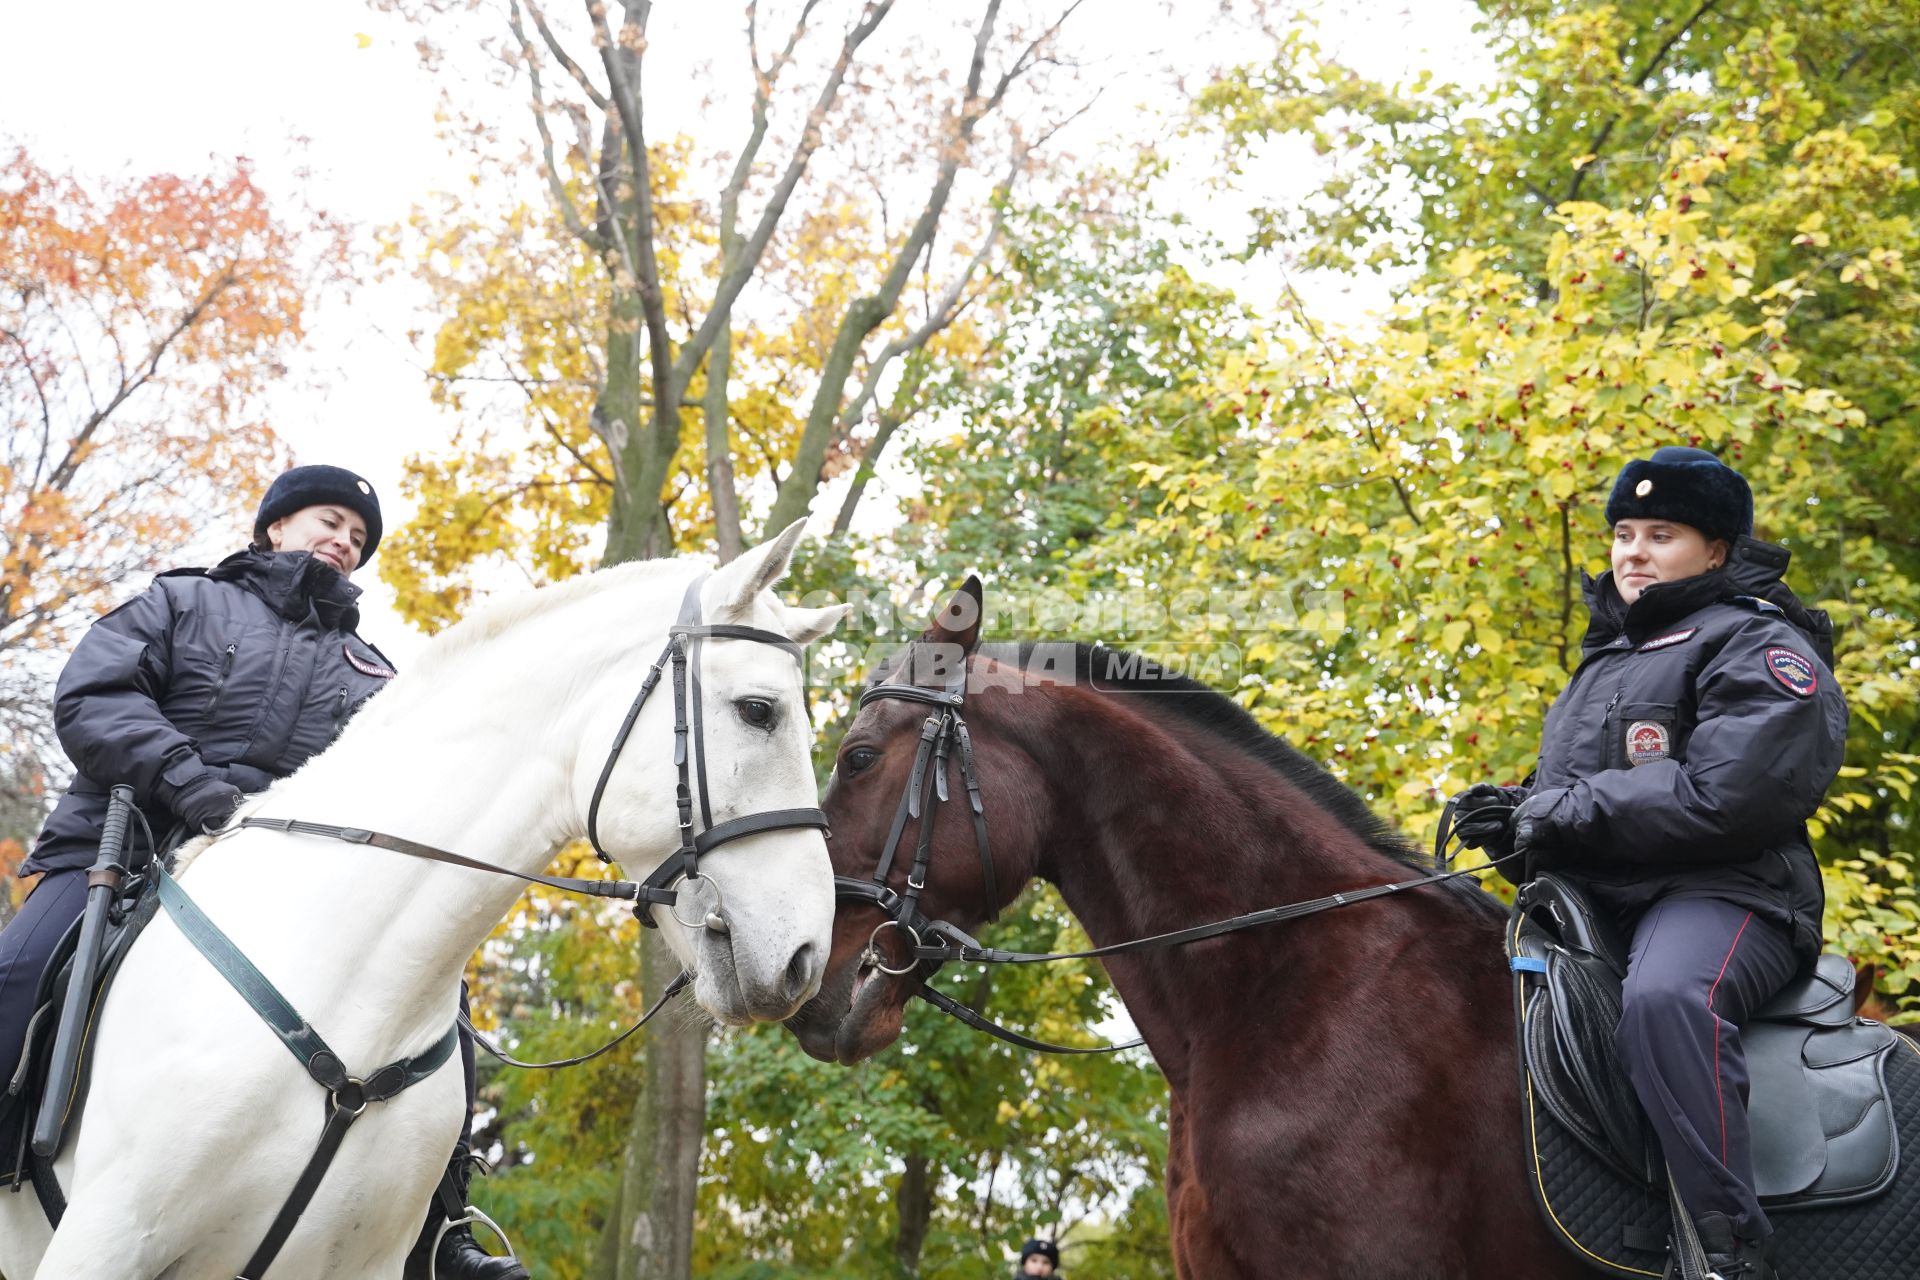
column 1689, row 1257
column 474, row 1217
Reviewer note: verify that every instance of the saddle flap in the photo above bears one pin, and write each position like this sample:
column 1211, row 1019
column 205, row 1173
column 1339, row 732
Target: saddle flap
column 1819, row 1111
column 1789, row 1143
column 1822, row 995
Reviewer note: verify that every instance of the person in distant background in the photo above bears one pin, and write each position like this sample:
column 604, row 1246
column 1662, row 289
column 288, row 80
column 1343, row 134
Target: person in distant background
column 1038, row 1258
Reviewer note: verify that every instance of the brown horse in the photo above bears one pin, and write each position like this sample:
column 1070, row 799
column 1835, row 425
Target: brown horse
column 1343, row 1086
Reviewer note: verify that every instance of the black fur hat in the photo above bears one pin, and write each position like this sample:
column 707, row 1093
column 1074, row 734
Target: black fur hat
column 304, row 487
column 1688, row 486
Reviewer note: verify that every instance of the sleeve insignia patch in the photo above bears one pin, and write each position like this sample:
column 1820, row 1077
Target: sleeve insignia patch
column 367, row 666
column 1647, row 741
column 1793, row 671
column 1677, row 637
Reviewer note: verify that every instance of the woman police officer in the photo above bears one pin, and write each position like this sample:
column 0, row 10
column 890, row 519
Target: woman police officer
column 211, row 684
column 1677, row 770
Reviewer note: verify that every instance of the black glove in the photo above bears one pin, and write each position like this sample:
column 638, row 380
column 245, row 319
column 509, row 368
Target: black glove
column 244, row 776
column 1533, row 837
column 1483, row 816
column 207, row 804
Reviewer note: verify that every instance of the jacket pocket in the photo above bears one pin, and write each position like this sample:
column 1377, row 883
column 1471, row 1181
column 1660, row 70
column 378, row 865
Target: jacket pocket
column 1644, row 732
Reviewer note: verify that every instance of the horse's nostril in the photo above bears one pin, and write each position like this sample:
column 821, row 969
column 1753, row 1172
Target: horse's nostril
column 802, row 970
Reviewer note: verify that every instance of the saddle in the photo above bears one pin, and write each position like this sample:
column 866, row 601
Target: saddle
column 23, row 1087
column 1821, row 1108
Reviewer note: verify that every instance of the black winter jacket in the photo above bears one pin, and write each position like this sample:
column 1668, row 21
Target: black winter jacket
column 1693, row 742
column 232, row 675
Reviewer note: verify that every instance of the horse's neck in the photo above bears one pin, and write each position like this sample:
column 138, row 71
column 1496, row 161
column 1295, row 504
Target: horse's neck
column 1168, row 828
column 481, row 764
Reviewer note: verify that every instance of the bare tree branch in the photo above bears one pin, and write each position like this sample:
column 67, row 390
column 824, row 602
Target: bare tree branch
column 622, row 57
column 149, row 367
column 737, row 272
column 560, row 55
column 868, row 313
column 562, row 198
column 46, row 411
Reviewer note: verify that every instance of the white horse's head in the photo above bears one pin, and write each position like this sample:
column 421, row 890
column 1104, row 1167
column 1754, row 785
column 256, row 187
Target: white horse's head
column 771, row 892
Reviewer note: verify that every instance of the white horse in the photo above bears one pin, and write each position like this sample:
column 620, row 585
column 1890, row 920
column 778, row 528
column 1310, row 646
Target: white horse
column 199, row 1121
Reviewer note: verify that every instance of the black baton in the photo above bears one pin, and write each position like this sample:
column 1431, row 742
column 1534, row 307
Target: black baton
column 103, row 886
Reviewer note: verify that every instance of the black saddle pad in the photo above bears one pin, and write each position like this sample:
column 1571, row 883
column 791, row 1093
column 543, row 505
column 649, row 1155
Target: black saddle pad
column 1618, row 1225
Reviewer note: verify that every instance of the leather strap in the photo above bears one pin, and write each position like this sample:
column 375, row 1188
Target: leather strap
column 673, row 989
column 1180, row 937
column 623, row 889
column 619, row 743
column 976, row 806
column 947, row 1004
column 689, row 753
column 347, row 1097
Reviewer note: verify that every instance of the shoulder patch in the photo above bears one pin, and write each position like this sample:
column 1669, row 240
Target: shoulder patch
column 1677, row 637
column 1793, row 671
column 367, row 666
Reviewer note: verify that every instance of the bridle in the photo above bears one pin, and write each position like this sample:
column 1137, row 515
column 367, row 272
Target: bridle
column 932, row 943
column 682, row 651
column 941, row 735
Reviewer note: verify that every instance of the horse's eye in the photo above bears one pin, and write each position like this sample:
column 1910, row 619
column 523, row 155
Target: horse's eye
column 859, row 759
column 757, row 712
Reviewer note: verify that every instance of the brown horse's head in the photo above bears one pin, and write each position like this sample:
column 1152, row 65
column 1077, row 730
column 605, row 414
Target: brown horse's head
column 859, row 1009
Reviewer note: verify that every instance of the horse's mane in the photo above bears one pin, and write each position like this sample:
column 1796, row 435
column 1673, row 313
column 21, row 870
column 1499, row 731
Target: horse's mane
column 1203, row 707
column 496, row 617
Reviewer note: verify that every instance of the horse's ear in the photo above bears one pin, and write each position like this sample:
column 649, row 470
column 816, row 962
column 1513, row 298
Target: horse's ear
column 804, row 626
column 735, row 586
column 959, row 622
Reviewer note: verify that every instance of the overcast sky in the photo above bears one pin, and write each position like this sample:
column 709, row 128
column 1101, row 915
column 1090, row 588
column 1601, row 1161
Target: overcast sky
column 121, row 89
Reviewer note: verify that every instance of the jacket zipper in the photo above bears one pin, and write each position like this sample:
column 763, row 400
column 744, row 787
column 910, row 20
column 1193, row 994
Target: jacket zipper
column 1606, row 726
column 220, row 685
column 340, row 706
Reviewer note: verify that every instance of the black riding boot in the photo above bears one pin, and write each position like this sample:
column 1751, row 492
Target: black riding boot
column 460, row 1256
column 1729, row 1256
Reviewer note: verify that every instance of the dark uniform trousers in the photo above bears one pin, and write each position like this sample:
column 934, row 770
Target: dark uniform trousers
column 1699, row 968
column 25, row 945
column 29, row 939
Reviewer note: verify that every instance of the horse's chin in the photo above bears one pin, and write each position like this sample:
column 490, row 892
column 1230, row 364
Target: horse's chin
column 856, row 1015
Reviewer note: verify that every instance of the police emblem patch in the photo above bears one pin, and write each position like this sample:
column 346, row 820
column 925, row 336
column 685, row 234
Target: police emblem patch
column 366, row 666
column 1661, row 642
column 1793, row 671
column 1647, row 741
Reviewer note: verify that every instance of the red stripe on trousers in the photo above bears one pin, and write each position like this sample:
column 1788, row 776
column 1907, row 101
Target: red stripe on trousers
column 1719, row 1090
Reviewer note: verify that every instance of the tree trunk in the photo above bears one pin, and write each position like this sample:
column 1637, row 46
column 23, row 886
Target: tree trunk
column 649, row 1233
column 913, row 1203
column 720, row 484
column 637, row 527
